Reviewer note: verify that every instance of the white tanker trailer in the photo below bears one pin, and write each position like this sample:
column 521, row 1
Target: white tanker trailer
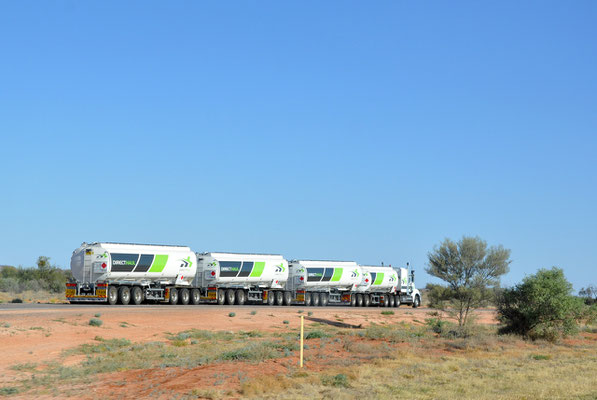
column 318, row 283
column 131, row 272
column 234, row 278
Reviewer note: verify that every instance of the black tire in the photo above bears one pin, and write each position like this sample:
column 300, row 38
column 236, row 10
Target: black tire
column 366, row 300
column 230, row 297
column 417, row 301
column 315, row 299
column 271, row 298
column 391, row 301
column 323, row 299
column 287, row 298
column 185, row 297
column 221, row 297
column 173, row 296
column 359, row 300
column 195, row 296
column 279, row 298
column 240, row 297
column 386, row 300
column 308, row 299
column 353, row 300
column 124, row 295
column 397, row 301
column 137, row 295
column 112, row 295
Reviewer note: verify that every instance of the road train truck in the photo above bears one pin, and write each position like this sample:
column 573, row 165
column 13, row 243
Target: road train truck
column 133, row 273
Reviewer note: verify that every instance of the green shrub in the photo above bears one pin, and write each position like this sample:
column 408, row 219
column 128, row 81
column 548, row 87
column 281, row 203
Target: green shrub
column 253, row 352
column 309, row 313
column 285, row 322
column 437, row 325
column 95, row 322
column 8, row 390
column 387, row 313
column 253, row 312
column 541, row 307
column 300, row 311
column 98, row 315
column 232, row 314
column 16, row 300
column 339, row 380
column 317, row 334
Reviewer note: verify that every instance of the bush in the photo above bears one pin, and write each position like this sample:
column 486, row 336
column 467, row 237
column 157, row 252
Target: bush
column 16, row 300
column 387, row 313
column 95, row 322
column 232, row 314
column 44, row 277
column 317, row 334
column 340, row 380
column 541, row 307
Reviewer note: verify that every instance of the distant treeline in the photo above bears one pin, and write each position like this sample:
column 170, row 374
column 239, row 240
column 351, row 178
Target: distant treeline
column 43, row 277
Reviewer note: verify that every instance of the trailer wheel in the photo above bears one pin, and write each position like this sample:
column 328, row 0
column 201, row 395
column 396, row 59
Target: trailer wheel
column 386, row 300
column 353, row 300
column 271, row 298
column 230, row 297
column 112, row 295
column 221, row 297
column 279, row 298
column 417, row 301
column 391, row 300
column 307, row 299
column 240, row 297
column 366, row 300
column 185, row 297
column 323, row 299
column 397, row 301
column 124, row 295
column 315, row 299
column 359, row 300
column 173, row 296
column 195, row 296
column 137, row 295
column 287, row 298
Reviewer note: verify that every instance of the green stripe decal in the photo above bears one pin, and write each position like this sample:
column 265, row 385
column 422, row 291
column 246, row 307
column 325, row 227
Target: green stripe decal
column 378, row 279
column 337, row 274
column 257, row 269
column 159, row 263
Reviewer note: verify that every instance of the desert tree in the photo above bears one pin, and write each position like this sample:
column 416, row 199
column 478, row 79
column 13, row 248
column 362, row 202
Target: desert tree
column 589, row 294
column 471, row 271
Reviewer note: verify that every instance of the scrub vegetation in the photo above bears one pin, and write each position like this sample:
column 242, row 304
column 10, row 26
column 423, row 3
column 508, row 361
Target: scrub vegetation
column 40, row 283
column 386, row 360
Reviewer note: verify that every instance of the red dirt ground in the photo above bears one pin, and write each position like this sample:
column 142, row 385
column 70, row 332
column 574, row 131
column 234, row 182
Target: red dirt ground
column 40, row 336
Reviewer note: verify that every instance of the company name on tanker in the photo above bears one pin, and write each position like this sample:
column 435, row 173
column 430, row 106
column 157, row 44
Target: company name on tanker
column 122, row 262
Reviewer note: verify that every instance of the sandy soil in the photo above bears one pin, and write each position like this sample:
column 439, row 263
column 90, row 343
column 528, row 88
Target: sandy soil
column 41, row 336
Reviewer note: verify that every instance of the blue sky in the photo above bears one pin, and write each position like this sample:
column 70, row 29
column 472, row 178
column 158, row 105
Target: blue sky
column 365, row 131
